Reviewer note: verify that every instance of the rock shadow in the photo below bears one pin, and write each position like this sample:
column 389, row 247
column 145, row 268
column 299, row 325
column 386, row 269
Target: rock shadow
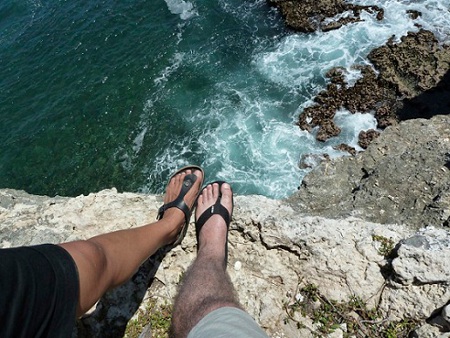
column 435, row 101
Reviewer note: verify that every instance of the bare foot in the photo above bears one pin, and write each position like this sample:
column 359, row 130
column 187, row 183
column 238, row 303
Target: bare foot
column 174, row 216
column 213, row 235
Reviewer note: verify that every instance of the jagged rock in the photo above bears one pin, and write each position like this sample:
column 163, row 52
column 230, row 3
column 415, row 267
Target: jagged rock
column 413, row 14
column 402, row 177
column 328, row 129
column 406, row 69
column 424, row 258
column 311, row 15
column 366, row 137
column 415, row 65
column 346, row 148
column 273, row 252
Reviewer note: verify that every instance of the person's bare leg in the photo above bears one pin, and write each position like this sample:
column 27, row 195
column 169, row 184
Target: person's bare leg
column 108, row 260
column 206, row 286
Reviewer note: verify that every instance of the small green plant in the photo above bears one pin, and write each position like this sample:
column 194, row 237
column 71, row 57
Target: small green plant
column 387, row 245
column 158, row 317
column 359, row 320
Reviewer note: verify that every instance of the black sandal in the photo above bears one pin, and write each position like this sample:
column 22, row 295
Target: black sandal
column 179, row 202
column 216, row 209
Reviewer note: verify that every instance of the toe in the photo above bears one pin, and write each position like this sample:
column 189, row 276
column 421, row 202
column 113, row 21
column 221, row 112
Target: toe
column 227, row 197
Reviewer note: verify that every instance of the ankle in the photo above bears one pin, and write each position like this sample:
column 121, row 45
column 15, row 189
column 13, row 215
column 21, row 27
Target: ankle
column 170, row 226
column 212, row 258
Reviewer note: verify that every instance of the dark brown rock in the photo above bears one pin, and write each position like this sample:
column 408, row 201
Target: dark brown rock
column 366, row 95
column 416, row 64
column 413, row 14
column 311, row 15
column 405, row 69
column 347, row 148
column 328, row 129
column 366, row 137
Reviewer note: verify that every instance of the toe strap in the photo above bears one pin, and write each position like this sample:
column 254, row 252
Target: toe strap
column 179, row 202
column 216, row 209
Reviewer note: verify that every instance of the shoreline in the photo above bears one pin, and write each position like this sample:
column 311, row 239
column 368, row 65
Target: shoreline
column 406, row 79
column 374, row 226
column 280, row 249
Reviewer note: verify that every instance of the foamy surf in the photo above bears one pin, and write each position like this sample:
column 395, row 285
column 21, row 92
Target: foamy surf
column 185, row 9
column 242, row 125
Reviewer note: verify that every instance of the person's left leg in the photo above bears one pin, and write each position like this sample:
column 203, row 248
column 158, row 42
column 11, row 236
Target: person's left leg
column 207, row 285
column 108, row 260
column 206, row 304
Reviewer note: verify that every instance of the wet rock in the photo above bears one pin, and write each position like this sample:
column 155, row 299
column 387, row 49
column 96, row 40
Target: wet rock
column 416, row 64
column 328, row 129
column 404, row 69
column 311, row 15
column 413, row 66
column 346, row 148
column 366, row 95
column 413, row 14
column 366, row 137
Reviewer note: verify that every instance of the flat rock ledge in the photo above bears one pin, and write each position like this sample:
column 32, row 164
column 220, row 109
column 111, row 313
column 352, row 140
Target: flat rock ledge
column 403, row 177
column 274, row 251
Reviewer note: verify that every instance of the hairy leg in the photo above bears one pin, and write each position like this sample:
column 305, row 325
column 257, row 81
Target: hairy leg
column 108, row 260
column 206, row 286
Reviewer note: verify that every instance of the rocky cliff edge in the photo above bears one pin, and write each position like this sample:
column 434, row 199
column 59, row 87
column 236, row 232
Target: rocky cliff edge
column 291, row 266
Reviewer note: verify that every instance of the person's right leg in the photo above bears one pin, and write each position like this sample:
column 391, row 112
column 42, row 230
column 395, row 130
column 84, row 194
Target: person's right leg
column 108, row 260
column 206, row 285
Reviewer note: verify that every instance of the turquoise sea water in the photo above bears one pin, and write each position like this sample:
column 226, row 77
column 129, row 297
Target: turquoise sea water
column 100, row 94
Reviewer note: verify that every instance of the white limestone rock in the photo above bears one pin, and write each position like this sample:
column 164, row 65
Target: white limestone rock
column 277, row 250
column 424, row 258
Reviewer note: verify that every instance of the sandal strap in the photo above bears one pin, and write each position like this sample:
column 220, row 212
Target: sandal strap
column 179, row 202
column 216, row 209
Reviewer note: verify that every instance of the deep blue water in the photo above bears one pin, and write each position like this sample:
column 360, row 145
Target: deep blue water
column 100, row 94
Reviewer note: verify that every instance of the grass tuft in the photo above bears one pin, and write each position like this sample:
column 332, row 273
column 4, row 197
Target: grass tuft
column 354, row 318
column 159, row 318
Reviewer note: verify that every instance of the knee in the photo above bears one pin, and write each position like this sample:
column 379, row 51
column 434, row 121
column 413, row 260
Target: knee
column 96, row 255
column 89, row 257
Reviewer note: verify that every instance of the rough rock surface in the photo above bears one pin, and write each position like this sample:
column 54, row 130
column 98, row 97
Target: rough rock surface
column 366, row 137
column 401, row 85
column 402, row 177
column 311, row 15
column 369, row 244
column 405, row 69
column 273, row 252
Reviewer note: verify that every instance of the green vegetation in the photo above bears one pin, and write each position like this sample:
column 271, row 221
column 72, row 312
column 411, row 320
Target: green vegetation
column 354, row 317
column 157, row 316
column 387, row 245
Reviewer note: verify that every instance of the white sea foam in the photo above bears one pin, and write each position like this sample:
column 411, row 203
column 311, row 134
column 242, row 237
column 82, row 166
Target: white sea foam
column 139, row 140
column 185, row 9
column 243, row 131
column 175, row 62
column 352, row 124
column 301, row 60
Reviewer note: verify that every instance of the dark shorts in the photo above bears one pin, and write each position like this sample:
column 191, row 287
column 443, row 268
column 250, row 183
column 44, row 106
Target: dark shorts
column 38, row 292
